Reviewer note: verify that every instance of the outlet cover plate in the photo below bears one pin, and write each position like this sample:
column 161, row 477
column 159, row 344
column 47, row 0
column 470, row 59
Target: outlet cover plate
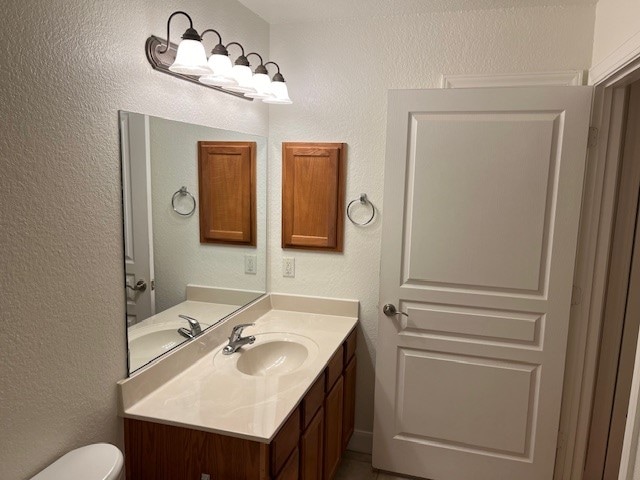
column 250, row 264
column 288, row 267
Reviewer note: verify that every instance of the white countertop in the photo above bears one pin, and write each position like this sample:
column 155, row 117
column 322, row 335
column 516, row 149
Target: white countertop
column 214, row 396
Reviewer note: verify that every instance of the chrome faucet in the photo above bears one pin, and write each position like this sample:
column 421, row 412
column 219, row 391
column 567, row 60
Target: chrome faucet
column 236, row 340
column 194, row 326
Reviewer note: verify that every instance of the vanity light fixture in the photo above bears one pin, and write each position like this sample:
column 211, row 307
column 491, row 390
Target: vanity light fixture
column 279, row 90
column 188, row 61
column 242, row 74
column 220, row 64
column 260, row 80
column 191, row 59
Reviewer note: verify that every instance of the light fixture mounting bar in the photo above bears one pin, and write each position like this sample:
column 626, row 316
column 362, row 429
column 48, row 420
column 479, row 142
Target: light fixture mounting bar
column 162, row 61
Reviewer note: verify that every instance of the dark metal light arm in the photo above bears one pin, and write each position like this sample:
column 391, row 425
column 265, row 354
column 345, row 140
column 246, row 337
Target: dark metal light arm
column 242, row 59
column 214, row 31
column 189, row 34
column 273, row 63
column 260, row 68
column 219, row 49
column 278, row 76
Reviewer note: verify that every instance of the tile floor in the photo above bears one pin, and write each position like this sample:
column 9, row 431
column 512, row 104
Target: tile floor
column 357, row 466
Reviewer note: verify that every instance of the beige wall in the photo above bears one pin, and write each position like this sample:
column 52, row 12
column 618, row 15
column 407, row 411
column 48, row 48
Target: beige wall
column 68, row 67
column 616, row 23
column 339, row 72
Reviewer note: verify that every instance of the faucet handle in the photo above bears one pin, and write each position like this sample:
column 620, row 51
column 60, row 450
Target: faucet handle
column 237, row 330
column 196, row 329
column 192, row 321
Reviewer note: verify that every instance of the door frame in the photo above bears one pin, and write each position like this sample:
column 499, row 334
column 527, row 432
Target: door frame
column 592, row 266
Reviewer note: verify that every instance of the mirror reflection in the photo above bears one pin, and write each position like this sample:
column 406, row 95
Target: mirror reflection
column 177, row 284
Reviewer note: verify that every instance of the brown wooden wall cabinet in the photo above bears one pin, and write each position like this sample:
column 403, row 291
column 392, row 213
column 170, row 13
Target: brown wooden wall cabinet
column 227, row 184
column 313, row 186
column 307, row 447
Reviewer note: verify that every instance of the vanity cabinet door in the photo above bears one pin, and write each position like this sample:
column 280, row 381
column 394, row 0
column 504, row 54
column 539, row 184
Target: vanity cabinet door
column 290, row 470
column 333, row 429
column 311, row 448
column 349, row 404
column 285, row 441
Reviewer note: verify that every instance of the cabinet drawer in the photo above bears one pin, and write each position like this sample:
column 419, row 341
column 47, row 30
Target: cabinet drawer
column 350, row 346
column 285, row 442
column 312, row 401
column 334, row 368
column 290, row 469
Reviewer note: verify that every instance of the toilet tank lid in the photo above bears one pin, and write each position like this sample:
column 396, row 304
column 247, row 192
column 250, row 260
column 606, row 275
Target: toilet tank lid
column 100, row 461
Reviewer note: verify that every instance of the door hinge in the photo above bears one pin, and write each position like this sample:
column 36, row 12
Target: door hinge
column 576, row 295
column 593, row 137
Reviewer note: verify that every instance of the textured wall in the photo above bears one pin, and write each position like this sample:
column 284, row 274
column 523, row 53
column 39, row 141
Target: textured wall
column 339, row 73
column 68, row 67
column 179, row 257
column 616, row 22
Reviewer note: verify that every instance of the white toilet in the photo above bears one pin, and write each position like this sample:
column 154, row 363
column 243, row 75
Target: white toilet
column 100, row 461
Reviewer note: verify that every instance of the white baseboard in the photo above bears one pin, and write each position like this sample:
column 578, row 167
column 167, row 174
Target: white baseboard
column 361, row 441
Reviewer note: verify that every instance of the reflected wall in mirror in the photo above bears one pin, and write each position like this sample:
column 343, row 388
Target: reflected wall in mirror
column 176, row 286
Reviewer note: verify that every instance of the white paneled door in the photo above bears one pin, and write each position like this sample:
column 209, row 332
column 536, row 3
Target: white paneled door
column 138, row 247
column 481, row 206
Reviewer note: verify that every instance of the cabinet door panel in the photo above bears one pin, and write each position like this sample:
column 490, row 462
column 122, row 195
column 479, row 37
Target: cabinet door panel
column 311, row 448
column 333, row 429
column 284, row 442
column 313, row 181
column 227, row 191
column 290, row 470
column 349, row 404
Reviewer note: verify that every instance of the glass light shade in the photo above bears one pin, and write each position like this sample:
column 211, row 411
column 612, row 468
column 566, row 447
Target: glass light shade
column 280, row 94
column 221, row 67
column 261, row 83
column 242, row 74
column 191, row 59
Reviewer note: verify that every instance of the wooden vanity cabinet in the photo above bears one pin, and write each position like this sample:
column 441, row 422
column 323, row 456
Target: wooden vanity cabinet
column 308, row 446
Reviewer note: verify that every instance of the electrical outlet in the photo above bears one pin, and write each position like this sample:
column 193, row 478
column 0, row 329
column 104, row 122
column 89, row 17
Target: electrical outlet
column 288, row 267
column 205, row 476
column 250, row 264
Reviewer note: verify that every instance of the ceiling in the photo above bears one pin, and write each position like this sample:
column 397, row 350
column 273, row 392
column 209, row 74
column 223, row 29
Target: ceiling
column 293, row 11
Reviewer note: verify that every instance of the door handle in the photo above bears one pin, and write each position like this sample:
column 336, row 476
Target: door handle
column 390, row 310
column 140, row 286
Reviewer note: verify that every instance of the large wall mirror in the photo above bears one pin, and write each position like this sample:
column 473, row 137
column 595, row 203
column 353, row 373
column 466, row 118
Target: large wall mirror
column 176, row 284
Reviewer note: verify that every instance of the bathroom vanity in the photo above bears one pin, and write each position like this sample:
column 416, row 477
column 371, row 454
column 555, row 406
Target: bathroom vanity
column 281, row 408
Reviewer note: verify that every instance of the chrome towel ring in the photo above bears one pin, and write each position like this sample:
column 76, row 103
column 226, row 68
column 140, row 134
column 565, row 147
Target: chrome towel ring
column 180, row 193
column 363, row 201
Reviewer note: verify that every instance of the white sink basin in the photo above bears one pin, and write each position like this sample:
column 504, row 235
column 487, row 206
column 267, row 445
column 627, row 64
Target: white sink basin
column 148, row 342
column 272, row 355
